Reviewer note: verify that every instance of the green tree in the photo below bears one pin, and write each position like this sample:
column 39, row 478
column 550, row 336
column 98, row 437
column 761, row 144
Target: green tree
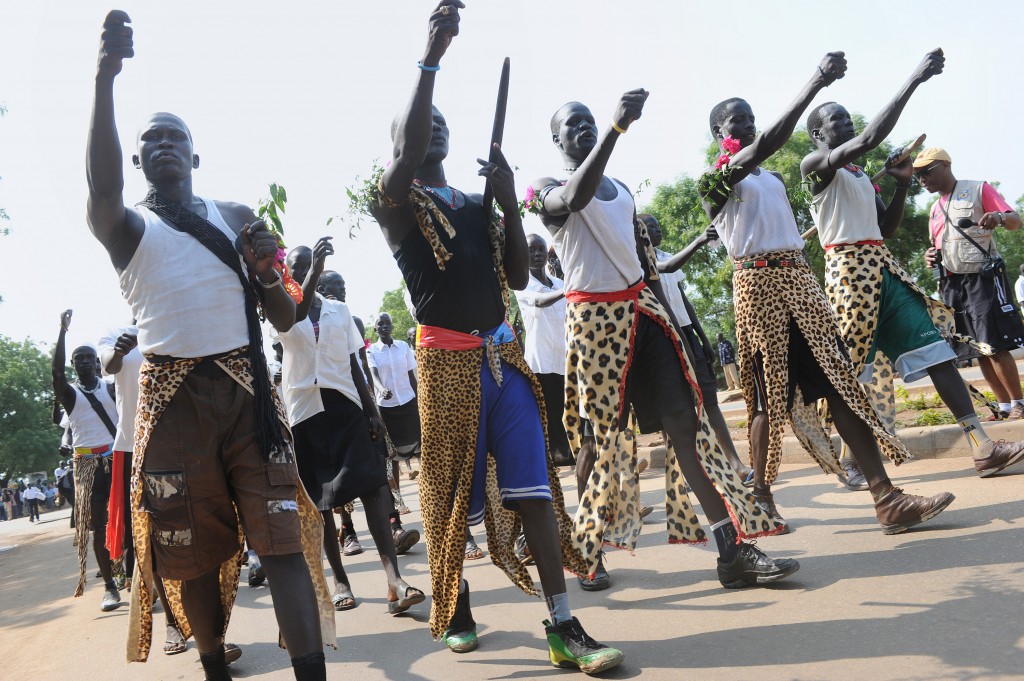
column 28, row 439
column 708, row 275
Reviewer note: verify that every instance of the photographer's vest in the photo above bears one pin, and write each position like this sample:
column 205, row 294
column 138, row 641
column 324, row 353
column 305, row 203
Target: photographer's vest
column 959, row 255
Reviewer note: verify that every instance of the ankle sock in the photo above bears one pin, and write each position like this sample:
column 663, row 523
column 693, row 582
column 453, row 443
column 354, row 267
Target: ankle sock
column 558, row 608
column 881, row 489
column 1005, row 406
column 214, row 666
column 975, row 434
column 311, row 667
column 726, row 539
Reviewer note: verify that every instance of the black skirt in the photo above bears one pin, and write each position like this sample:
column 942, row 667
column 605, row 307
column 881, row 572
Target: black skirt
column 336, row 459
column 403, row 424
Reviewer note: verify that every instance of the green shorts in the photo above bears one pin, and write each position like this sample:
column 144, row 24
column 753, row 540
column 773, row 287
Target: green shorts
column 905, row 332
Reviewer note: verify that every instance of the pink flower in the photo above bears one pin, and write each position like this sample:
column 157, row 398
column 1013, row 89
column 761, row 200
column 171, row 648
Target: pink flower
column 731, row 145
column 878, row 190
column 723, row 160
column 530, row 194
column 281, row 255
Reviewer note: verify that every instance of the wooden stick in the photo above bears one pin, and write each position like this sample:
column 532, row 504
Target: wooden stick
column 907, row 151
column 497, row 133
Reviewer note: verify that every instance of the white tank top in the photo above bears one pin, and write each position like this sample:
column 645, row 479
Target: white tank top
column 670, row 282
column 757, row 218
column 87, row 429
column 845, row 212
column 597, row 248
column 187, row 303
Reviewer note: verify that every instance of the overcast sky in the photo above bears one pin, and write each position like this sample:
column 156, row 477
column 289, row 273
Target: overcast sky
column 302, row 93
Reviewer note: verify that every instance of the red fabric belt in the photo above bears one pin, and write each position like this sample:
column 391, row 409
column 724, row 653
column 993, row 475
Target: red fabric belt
column 869, row 242
column 446, row 339
column 631, row 293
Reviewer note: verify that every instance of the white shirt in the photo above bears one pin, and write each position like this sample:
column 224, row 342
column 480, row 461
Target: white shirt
column 34, row 492
column 393, row 363
column 670, row 282
column 186, row 301
column 87, row 429
column 127, row 383
column 845, row 211
column 597, row 247
column 310, row 364
column 1018, row 288
column 545, row 327
column 757, row 218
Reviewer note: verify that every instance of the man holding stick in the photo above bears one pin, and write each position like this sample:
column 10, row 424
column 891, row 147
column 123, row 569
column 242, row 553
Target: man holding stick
column 484, row 445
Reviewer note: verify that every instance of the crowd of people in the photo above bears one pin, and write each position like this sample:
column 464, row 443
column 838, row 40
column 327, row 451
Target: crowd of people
column 196, row 458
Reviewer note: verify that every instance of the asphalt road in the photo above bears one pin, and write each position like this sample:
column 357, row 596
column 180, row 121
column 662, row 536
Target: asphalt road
column 943, row 601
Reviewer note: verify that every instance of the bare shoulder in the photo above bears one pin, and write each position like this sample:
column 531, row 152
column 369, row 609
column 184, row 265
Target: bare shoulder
column 237, row 215
column 778, row 175
column 543, row 182
column 621, row 184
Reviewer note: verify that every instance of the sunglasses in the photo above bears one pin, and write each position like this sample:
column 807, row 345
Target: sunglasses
column 925, row 172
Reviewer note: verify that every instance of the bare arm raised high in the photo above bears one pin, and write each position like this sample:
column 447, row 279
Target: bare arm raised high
column 117, row 228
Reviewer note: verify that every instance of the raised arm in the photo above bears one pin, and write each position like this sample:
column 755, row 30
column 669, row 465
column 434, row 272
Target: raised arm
column 413, row 128
column 676, row 262
column 582, row 186
column 824, row 162
column 747, row 159
column 321, row 250
column 116, row 227
column 62, row 390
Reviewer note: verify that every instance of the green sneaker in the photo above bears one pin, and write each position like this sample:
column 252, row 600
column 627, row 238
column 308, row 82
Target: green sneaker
column 460, row 636
column 460, row 641
column 570, row 646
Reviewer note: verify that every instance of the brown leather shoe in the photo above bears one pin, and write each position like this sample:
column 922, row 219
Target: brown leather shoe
column 1003, row 455
column 897, row 511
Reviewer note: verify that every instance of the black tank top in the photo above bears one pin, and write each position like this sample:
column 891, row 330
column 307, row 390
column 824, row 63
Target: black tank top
column 466, row 296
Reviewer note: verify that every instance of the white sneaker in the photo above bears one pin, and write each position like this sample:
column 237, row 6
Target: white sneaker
column 111, row 600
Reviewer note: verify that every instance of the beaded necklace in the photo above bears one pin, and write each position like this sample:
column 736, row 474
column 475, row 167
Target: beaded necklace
column 444, row 192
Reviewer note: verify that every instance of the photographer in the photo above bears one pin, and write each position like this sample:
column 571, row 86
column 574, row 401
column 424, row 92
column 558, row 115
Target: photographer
column 974, row 282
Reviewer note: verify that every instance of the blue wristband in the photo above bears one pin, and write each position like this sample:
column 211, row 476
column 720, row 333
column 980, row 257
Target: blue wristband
column 428, row 68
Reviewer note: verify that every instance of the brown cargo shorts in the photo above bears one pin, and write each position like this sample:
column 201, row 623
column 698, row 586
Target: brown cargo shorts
column 202, row 464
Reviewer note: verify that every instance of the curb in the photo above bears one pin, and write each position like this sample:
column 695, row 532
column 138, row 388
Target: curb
column 924, row 442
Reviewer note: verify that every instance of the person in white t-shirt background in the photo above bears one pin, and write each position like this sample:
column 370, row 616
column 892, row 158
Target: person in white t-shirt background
column 542, row 304
column 393, row 368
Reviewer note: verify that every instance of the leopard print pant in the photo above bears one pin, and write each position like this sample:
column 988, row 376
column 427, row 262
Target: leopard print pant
column 449, row 400
column 600, row 336
column 85, row 473
column 157, row 385
column 766, row 299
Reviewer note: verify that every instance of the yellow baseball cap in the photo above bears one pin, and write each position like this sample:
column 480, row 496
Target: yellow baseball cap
column 931, row 155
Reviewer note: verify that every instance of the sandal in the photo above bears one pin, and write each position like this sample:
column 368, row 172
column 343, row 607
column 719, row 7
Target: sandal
column 175, row 643
column 343, row 599
column 412, row 597
column 473, row 552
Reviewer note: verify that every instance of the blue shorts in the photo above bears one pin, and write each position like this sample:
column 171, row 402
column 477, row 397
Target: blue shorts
column 510, row 430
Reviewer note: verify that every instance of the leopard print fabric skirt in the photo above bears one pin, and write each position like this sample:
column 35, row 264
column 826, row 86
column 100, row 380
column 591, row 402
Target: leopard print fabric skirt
column 600, row 336
column 158, row 384
column 449, row 400
column 766, row 299
column 853, row 281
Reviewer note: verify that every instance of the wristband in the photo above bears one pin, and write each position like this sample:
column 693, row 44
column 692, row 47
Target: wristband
column 272, row 284
column 616, row 128
column 1002, row 219
column 424, row 67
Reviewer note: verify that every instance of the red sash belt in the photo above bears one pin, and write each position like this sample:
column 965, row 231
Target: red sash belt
column 446, row 339
column 631, row 293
